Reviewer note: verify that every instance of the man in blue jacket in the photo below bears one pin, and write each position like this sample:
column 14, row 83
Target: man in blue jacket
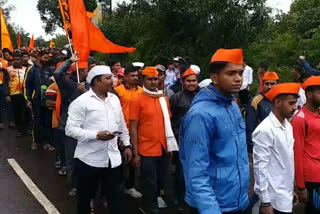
column 213, row 149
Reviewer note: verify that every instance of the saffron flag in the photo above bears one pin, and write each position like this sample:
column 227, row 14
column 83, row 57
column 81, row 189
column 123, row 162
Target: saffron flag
column 91, row 15
column 19, row 40
column 51, row 44
column 84, row 34
column 5, row 37
column 31, row 44
column 64, row 9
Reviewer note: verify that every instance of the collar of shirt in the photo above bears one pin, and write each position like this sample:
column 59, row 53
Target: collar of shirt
column 277, row 123
column 93, row 94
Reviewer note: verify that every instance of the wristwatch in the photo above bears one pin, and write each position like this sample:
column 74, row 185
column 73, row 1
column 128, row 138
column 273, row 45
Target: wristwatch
column 265, row 204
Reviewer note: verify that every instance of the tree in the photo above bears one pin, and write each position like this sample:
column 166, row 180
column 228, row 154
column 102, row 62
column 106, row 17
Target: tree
column 51, row 16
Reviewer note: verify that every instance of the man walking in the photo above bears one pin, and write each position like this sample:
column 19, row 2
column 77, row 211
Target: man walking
column 273, row 160
column 306, row 132
column 212, row 142
column 152, row 137
column 96, row 121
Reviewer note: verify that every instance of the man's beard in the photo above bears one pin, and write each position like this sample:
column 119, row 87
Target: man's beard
column 316, row 103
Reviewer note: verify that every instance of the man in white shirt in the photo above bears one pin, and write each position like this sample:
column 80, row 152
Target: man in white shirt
column 96, row 121
column 170, row 76
column 273, row 157
column 247, row 81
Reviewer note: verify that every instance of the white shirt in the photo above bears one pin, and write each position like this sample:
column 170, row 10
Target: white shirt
column 89, row 114
column 170, row 78
column 247, row 77
column 273, row 163
column 302, row 98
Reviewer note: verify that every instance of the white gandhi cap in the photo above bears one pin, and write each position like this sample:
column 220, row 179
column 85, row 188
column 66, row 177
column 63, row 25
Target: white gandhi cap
column 98, row 70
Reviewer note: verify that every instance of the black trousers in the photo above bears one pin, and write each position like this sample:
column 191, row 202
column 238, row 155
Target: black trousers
column 313, row 206
column 19, row 110
column 192, row 210
column 244, row 97
column 89, row 178
column 279, row 212
column 154, row 171
column 59, row 137
column 42, row 132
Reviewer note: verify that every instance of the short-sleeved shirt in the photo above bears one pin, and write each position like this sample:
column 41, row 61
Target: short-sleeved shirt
column 151, row 132
column 127, row 96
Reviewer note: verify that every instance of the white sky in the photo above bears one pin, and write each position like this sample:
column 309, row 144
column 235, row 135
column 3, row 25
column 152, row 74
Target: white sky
column 26, row 15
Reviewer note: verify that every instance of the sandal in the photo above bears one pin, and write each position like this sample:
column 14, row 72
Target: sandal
column 34, row 146
column 62, row 171
column 48, row 147
column 73, row 192
column 57, row 165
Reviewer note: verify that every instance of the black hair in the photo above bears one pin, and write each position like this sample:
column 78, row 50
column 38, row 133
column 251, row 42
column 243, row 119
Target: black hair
column 93, row 81
column 217, row 67
column 264, row 66
column 6, row 50
column 91, row 60
column 298, row 68
column 24, row 53
column 113, row 62
column 43, row 52
column 284, row 96
column 128, row 68
column 312, row 88
column 16, row 53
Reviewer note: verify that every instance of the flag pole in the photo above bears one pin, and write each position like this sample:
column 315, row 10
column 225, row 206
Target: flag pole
column 77, row 65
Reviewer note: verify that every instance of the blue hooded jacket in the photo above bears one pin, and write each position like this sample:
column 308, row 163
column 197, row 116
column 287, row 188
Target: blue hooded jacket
column 213, row 153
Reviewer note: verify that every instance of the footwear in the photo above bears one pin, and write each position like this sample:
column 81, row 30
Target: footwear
column 72, row 192
column 57, row 164
column 1, row 125
column 133, row 193
column 92, row 206
column 34, row 146
column 62, row 171
column 162, row 192
column 161, row 203
column 19, row 134
column 12, row 125
column 48, row 147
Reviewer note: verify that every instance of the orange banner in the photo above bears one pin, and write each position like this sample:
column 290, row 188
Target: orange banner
column 5, row 37
column 19, row 40
column 31, row 44
column 64, row 9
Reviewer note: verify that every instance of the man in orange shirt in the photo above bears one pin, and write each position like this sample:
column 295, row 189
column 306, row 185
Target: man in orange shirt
column 128, row 93
column 149, row 120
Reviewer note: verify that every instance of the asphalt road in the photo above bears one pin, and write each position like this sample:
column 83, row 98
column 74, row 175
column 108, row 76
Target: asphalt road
column 16, row 198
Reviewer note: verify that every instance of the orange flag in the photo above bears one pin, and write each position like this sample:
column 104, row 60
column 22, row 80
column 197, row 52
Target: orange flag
column 85, row 35
column 91, row 15
column 19, row 40
column 31, row 44
column 5, row 37
column 80, row 32
column 98, row 42
column 51, row 44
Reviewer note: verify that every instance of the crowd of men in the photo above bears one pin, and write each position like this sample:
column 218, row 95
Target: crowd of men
column 105, row 122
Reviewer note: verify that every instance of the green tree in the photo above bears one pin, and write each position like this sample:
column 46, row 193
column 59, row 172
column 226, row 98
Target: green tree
column 51, row 16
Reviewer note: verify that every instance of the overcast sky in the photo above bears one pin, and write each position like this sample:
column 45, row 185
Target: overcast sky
column 26, row 15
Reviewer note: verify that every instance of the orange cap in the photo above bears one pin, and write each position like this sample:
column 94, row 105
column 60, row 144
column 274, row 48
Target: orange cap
column 284, row 88
column 150, row 71
column 188, row 72
column 270, row 75
column 311, row 81
column 234, row 56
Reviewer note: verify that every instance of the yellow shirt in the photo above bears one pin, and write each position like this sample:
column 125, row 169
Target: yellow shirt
column 16, row 76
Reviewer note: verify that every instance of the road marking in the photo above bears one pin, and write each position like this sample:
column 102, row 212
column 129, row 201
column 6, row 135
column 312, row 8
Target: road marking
column 43, row 200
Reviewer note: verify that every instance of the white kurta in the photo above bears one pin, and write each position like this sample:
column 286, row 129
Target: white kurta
column 273, row 163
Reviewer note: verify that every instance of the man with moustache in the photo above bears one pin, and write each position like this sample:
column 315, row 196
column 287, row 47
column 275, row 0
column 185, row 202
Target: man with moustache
column 273, row 158
column 212, row 141
column 96, row 121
